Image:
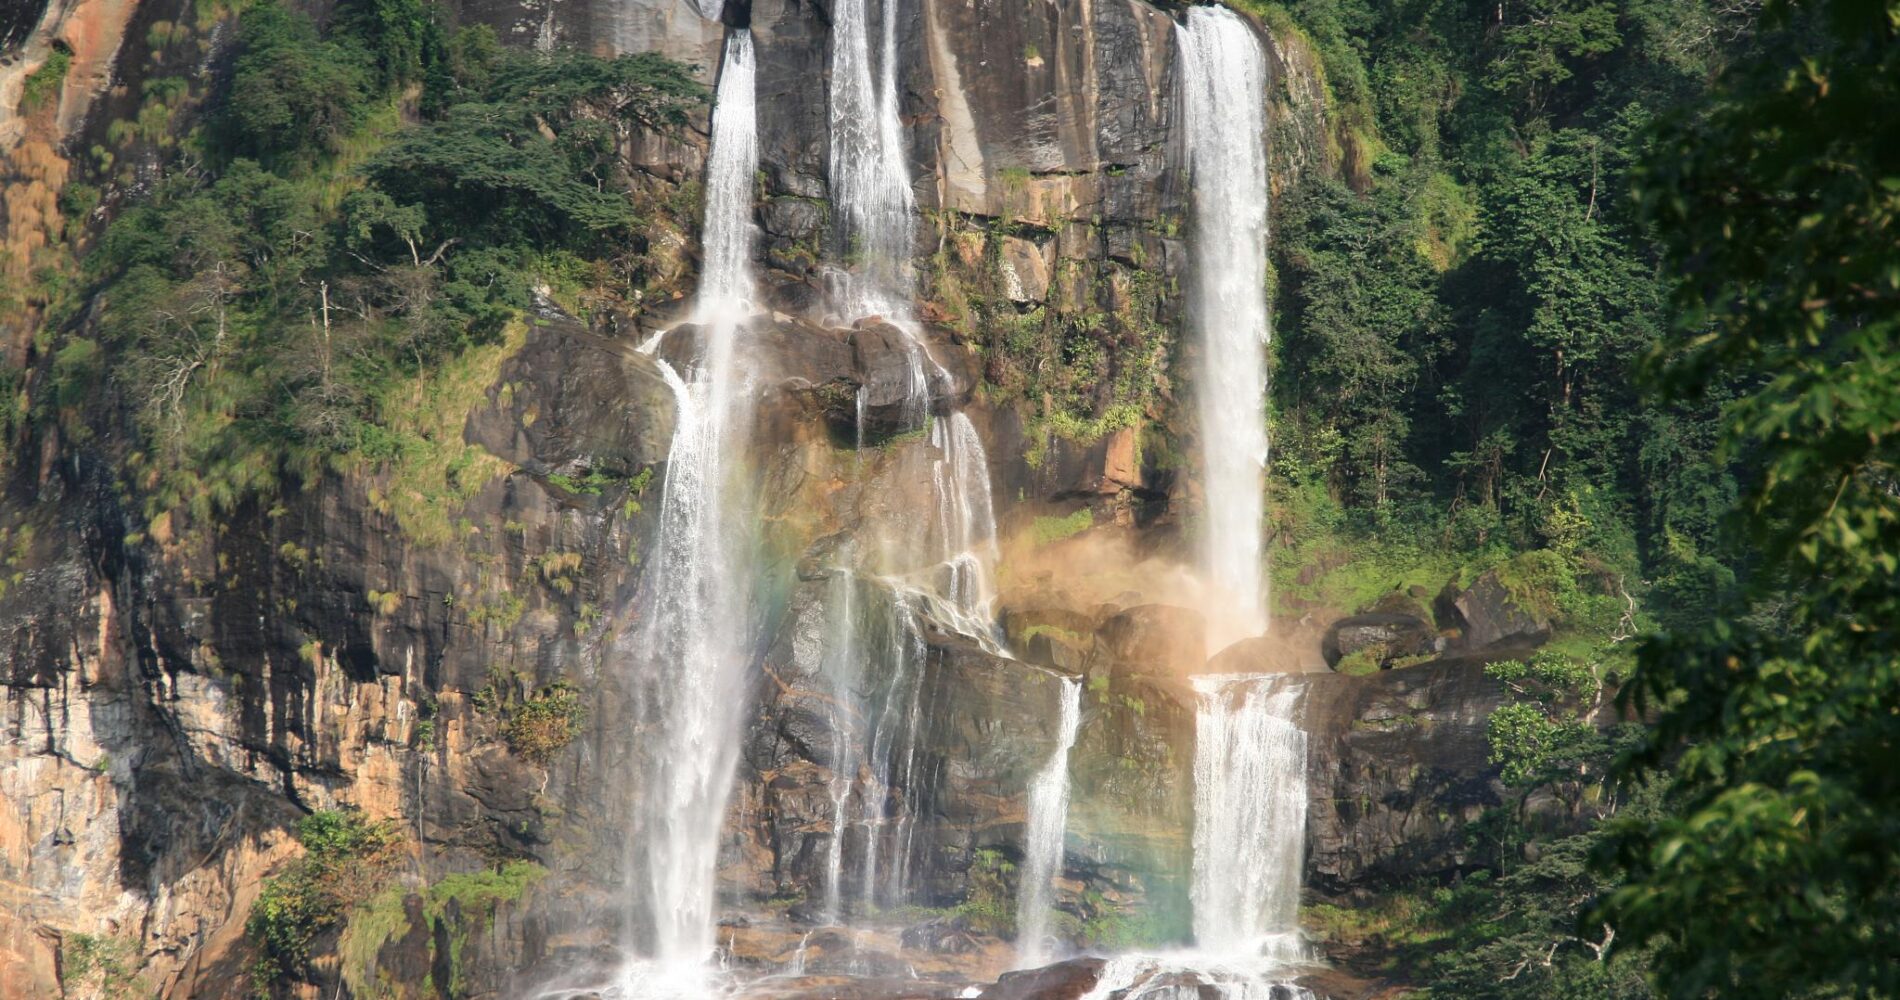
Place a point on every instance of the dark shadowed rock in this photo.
(572, 399)
(1397, 763)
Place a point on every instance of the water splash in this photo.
(1042, 841)
(1224, 75)
(1249, 816)
(1189, 974)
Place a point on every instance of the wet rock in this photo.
(1397, 765)
(1059, 638)
(1256, 655)
(1070, 980)
(1025, 270)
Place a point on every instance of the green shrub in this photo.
(545, 723)
(536, 726)
(43, 84)
(1055, 529)
(989, 903)
(346, 860)
(101, 967)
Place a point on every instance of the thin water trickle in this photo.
(1042, 841)
(1223, 73)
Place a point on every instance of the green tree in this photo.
(1776, 872)
(292, 93)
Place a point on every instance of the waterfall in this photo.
(1249, 816)
(936, 567)
(1223, 73)
(692, 642)
(870, 182)
(841, 664)
(1042, 841)
(870, 179)
(725, 290)
(966, 521)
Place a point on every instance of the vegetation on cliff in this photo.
(271, 307)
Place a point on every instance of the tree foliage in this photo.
(257, 314)
(1776, 871)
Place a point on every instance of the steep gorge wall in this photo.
(178, 691)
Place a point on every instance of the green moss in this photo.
(100, 967)
(989, 904)
(384, 918)
(346, 860)
(371, 926)
(1053, 632)
(429, 470)
(1358, 663)
(1048, 530)
(43, 84)
(1112, 929)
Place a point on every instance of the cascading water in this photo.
(1249, 816)
(1047, 825)
(692, 643)
(966, 521)
(1249, 847)
(725, 292)
(870, 180)
(1223, 73)
(935, 568)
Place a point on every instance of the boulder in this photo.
(1388, 636)
(1070, 980)
(573, 399)
(1397, 765)
(1058, 638)
(1487, 616)
(1152, 640)
(1255, 655)
(900, 382)
(1025, 270)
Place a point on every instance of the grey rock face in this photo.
(1489, 617)
(1397, 765)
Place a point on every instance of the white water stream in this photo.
(1249, 816)
(1223, 73)
(693, 642)
(932, 568)
(870, 177)
(1047, 825)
